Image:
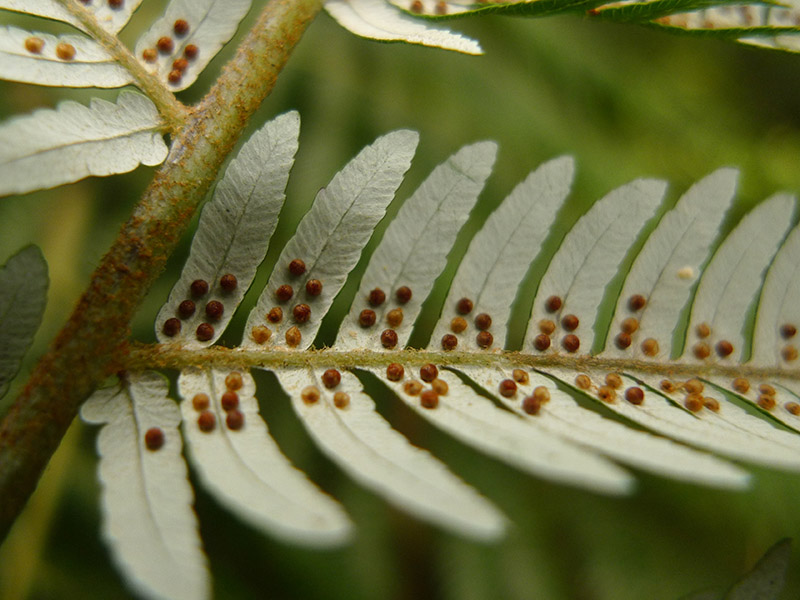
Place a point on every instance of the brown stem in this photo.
(92, 344)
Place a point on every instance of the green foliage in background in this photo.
(626, 102)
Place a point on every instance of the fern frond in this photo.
(530, 409)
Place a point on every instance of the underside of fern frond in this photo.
(690, 360)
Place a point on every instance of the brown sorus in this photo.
(788, 331)
(403, 294)
(204, 332)
(389, 338)
(331, 378)
(313, 287)
(571, 342)
(214, 309)
(234, 420)
(206, 421)
(154, 438)
(508, 388)
(181, 27)
(547, 326)
(412, 388)
(341, 399)
(275, 314)
(394, 317)
(198, 288)
(150, 55)
(793, 408)
(484, 339)
(200, 402)
(234, 381)
(614, 380)
(694, 402)
(293, 336)
(366, 318)
(310, 394)
(701, 350)
(228, 282)
(650, 347)
(186, 309)
(741, 385)
(636, 302)
(570, 322)
(301, 313)
(440, 387)
(766, 402)
(229, 400)
(175, 76)
(711, 404)
(180, 64)
(703, 330)
(297, 267)
(376, 297)
(634, 395)
(553, 304)
(165, 45)
(606, 393)
(583, 382)
(623, 340)
(191, 51)
(483, 321)
(261, 334)
(34, 45)
(458, 324)
(629, 325)
(429, 399)
(394, 372)
(172, 327)
(65, 51)
(724, 348)
(449, 342)
(520, 376)
(464, 306)
(428, 372)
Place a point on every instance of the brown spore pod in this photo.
(792, 408)
(228, 282)
(694, 402)
(301, 313)
(214, 309)
(634, 395)
(206, 422)
(613, 380)
(541, 342)
(650, 347)
(629, 325)
(261, 334)
(200, 402)
(313, 287)
(484, 339)
(547, 327)
(412, 388)
(366, 318)
(416, 7)
(741, 385)
(449, 342)
(34, 45)
(116, 4)
(789, 353)
(788, 331)
(310, 394)
(154, 438)
(186, 309)
(440, 387)
(701, 350)
(429, 399)
(441, 8)
(458, 324)
(394, 317)
(703, 330)
(428, 372)
(531, 405)
(724, 348)
(180, 27)
(694, 386)
(464, 306)
(483, 321)
(341, 400)
(507, 388)
(165, 45)
(293, 337)
(394, 371)
(667, 386)
(204, 332)
(583, 382)
(403, 294)
(275, 314)
(570, 322)
(711, 404)
(766, 389)
(175, 76)
(150, 55)
(623, 340)
(297, 267)
(331, 378)
(636, 302)
(191, 51)
(520, 376)
(553, 304)
(172, 327)
(766, 402)
(234, 381)
(65, 51)
(571, 342)
(376, 297)
(229, 400)
(234, 420)
(198, 288)
(541, 394)
(606, 393)
(180, 64)
(388, 338)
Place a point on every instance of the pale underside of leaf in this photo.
(668, 266)
(414, 248)
(501, 252)
(589, 258)
(378, 20)
(211, 24)
(476, 421)
(362, 443)
(148, 519)
(731, 282)
(91, 66)
(234, 230)
(563, 417)
(53, 147)
(246, 471)
(112, 19)
(331, 236)
(23, 295)
(781, 402)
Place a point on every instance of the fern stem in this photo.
(91, 345)
(166, 356)
(171, 110)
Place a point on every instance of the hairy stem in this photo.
(91, 346)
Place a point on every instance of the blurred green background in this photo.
(626, 102)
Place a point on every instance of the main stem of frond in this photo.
(173, 112)
(92, 344)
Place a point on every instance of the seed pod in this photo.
(331, 378)
(154, 438)
(394, 372)
(428, 372)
